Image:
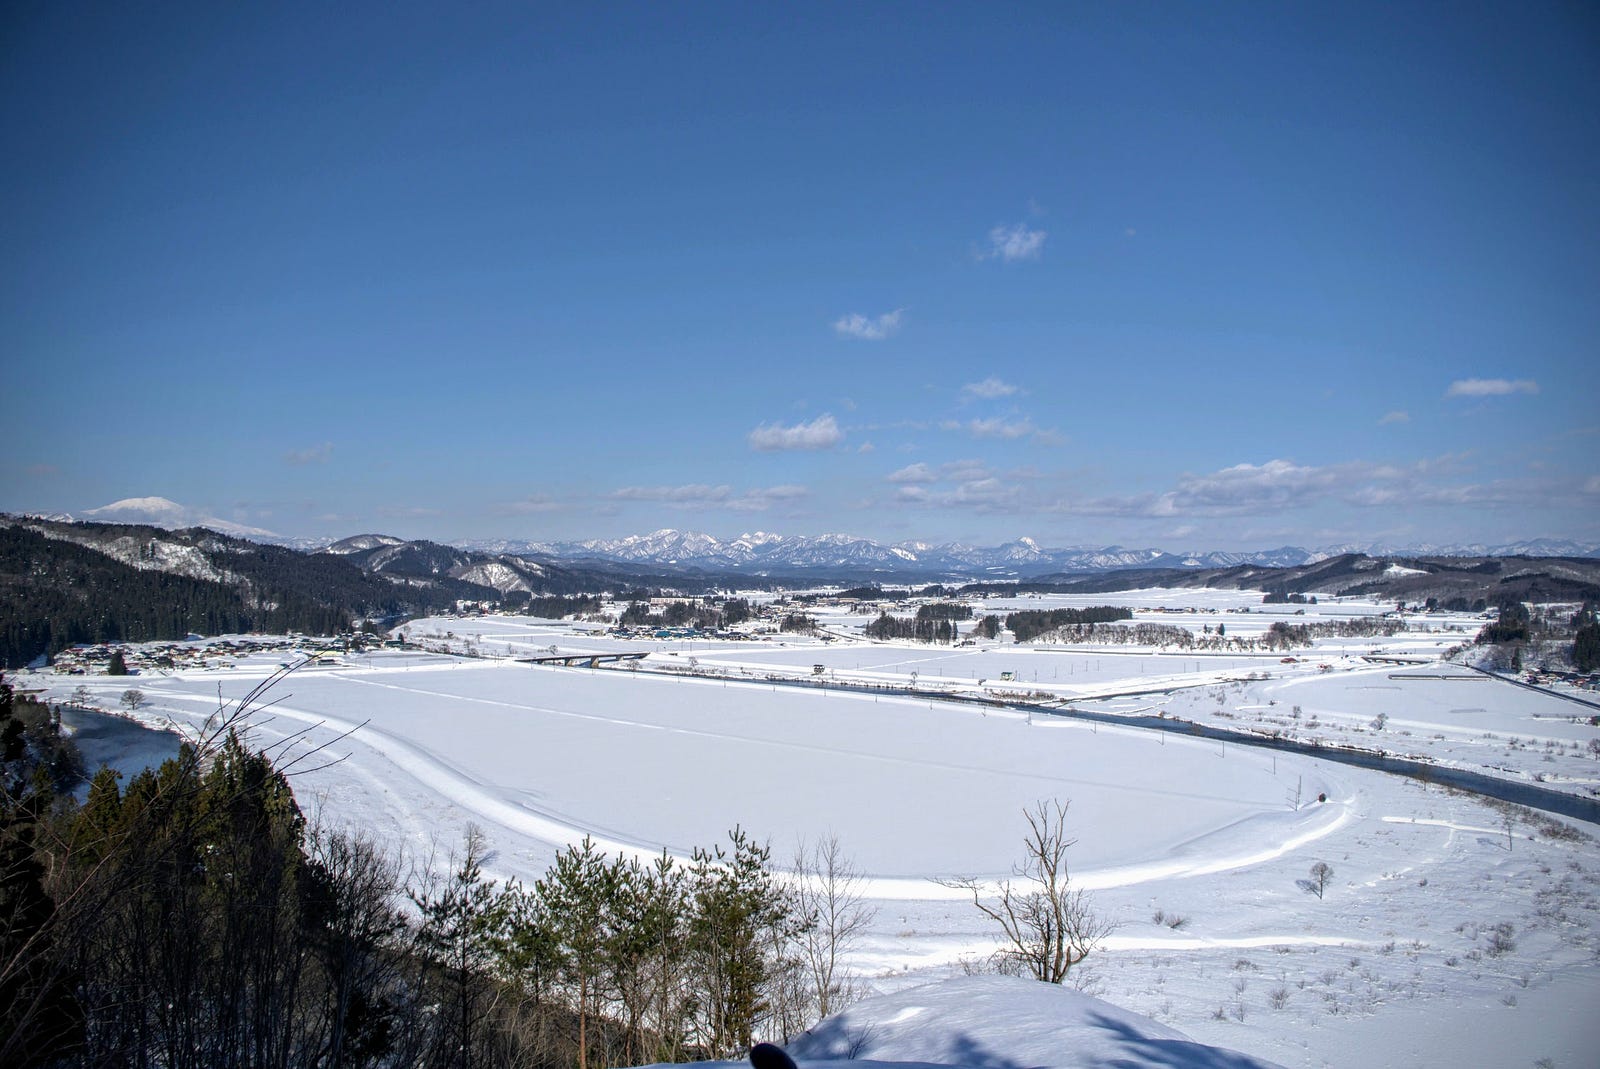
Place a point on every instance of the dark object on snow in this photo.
(770, 1056)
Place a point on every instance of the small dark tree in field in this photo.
(1321, 873)
(132, 699)
(118, 665)
(1049, 926)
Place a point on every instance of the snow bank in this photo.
(998, 1022)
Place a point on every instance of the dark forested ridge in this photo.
(55, 594)
(1458, 581)
(66, 583)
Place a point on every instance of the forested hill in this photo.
(63, 583)
(55, 593)
(1466, 583)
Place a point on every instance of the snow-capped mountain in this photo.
(162, 512)
(764, 552)
(362, 543)
(772, 554)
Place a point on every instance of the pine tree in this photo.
(456, 933)
(576, 893)
(741, 919)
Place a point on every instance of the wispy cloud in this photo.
(1490, 387)
(704, 496)
(1282, 485)
(1003, 429)
(1011, 243)
(534, 504)
(869, 328)
(989, 494)
(687, 495)
(407, 512)
(821, 433)
(989, 389)
(317, 454)
(768, 497)
(1396, 416)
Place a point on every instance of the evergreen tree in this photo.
(741, 920)
(456, 933)
(576, 895)
(1586, 647)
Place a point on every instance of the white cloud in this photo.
(989, 389)
(317, 454)
(1011, 243)
(980, 495)
(914, 473)
(1490, 387)
(1396, 416)
(868, 328)
(821, 433)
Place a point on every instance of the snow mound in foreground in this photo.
(997, 1022)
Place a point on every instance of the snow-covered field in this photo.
(1194, 848)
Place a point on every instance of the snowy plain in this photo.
(1197, 850)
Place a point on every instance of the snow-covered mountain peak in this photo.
(362, 542)
(164, 512)
(149, 506)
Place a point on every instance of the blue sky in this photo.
(1220, 276)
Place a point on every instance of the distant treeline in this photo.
(551, 608)
(1030, 624)
(709, 614)
(1281, 635)
(933, 623)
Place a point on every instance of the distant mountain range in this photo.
(767, 554)
(64, 581)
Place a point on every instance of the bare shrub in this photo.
(1050, 927)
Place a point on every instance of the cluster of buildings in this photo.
(197, 653)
